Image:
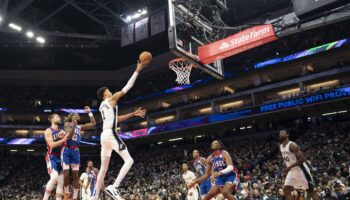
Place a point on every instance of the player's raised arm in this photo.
(69, 128)
(300, 157)
(118, 95)
(205, 175)
(137, 113)
(50, 142)
(92, 123)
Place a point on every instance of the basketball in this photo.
(145, 57)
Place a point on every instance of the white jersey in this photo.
(84, 178)
(288, 157)
(192, 193)
(109, 115)
(188, 176)
(300, 176)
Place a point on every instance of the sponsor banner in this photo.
(236, 43)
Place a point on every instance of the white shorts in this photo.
(193, 193)
(85, 196)
(109, 142)
(299, 178)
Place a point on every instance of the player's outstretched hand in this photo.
(87, 109)
(140, 66)
(285, 171)
(66, 137)
(61, 134)
(140, 113)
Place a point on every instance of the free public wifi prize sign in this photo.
(237, 43)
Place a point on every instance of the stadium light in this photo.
(175, 139)
(30, 34)
(135, 15)
(13, 150)
(15, 27)
(0, 19)
(331, 113)
(41, 40)
(160, 143)
(30, 150)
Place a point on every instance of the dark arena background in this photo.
(245, 71)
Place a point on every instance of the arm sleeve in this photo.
(130, 83)
(227, 170)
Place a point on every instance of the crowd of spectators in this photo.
(156, 173)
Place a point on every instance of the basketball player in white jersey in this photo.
(109, 139)
(84, 183)
(298, 176)
(189, 176)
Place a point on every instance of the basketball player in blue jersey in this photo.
(200, 165)
(110, 141)
(226, 175)
(70, 152)
(54, 137)
(92, 173)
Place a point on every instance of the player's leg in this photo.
(214, 190)
(228, 190)
(66, 166)
(59, 189)
(75, 164)
(287, 190)
(75, 173)
(289, 183)
(106, 152)
(51, 184)
(122, 150)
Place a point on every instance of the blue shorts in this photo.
(71, 156)
(223, 179)
(204, 187)
(53, 163)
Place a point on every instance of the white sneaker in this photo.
(113, 192)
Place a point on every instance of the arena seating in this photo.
(156, 172)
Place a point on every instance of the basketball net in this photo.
(182, 68)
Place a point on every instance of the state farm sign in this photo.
(237, 43)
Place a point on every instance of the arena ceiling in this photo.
(85, 34)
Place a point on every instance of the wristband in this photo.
(90, 114)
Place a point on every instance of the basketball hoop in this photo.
(182, 68)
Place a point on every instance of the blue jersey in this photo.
(92, 177)
(200, 167)
(75, 140)
(219, 163)
(56, 151)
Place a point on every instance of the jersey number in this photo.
(75, 137)
(286, 158)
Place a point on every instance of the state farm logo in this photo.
(224, 45)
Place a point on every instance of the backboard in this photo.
(189, 29)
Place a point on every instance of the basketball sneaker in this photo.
(113, 192)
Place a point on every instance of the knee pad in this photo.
(65, 166)
(74, 167)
